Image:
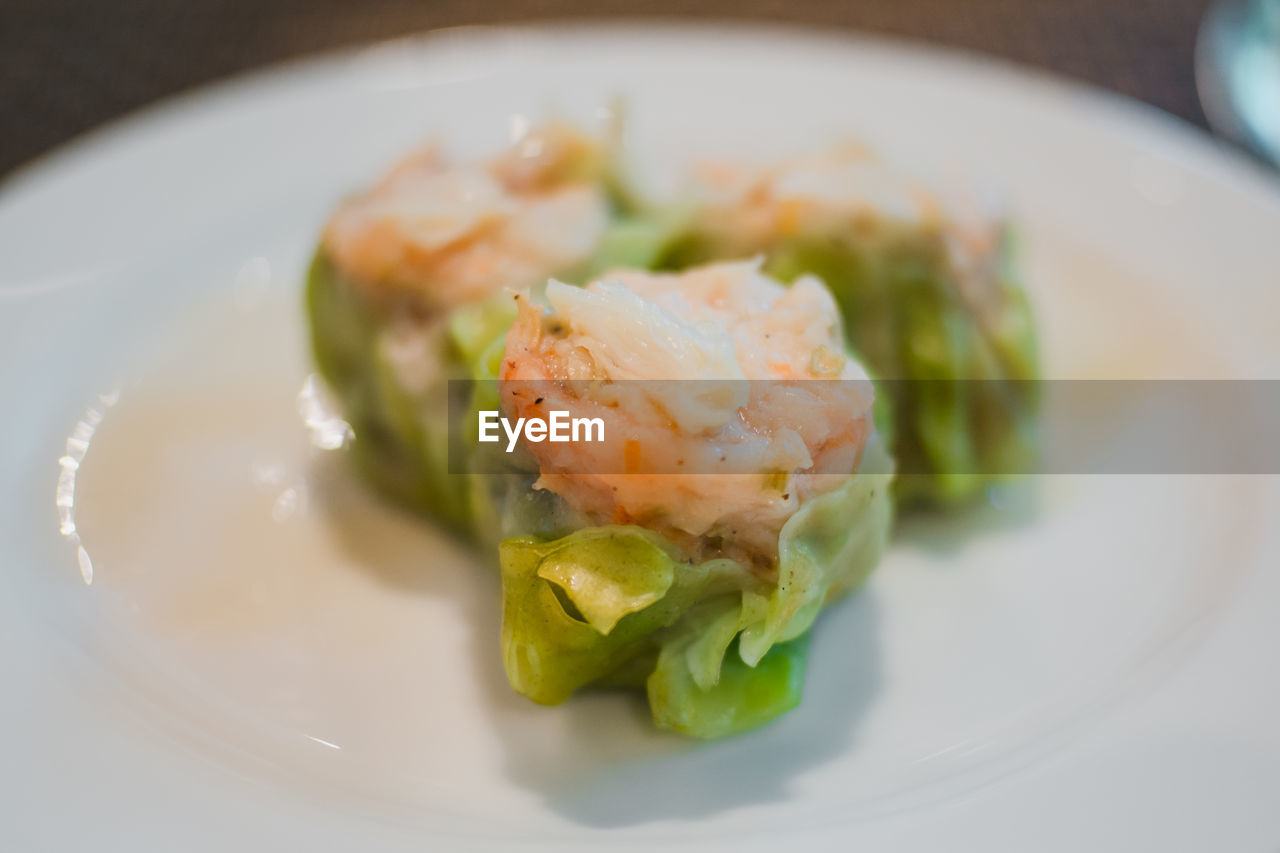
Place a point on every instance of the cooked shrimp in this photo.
(715, 327)
(442, 235)
(749, 209)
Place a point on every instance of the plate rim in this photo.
(1145, 116)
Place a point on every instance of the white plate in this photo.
(268, 658)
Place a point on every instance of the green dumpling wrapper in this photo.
(718, 649)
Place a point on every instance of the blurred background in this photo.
(67, 66)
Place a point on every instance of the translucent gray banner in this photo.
(990, 428)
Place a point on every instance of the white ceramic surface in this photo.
(238, 648)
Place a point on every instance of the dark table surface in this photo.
(67, 66)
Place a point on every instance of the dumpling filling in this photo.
(694, 372)
(748, 209)
(439, 235)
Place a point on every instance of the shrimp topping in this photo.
(441, 235)
(697, 372)
(846, 188)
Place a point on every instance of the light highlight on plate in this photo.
(76, 448)
(323, 742)
(328, 431)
